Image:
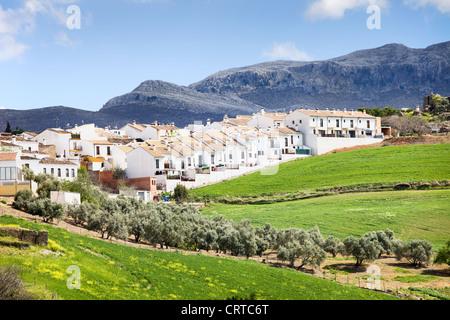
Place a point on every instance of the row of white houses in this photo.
(195, 155)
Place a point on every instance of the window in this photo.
(108, 150)
(44, 171)
(286, 142)
(351, 124)
(212, 159)
(59, 172)
(157, 163)
(230, 156)
(73, 173)
(67, 173)
(52, 171)
(242, 155)
(293, 122)
(8, 173)
(337, 123)
(321, 122)
(292, 139)
(368, 124)
(98, 150)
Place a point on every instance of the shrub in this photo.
(443, 255)
(11, 286)
(180, 193)
(22, 198)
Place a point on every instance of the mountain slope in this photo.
(392, 75)
(167, 102)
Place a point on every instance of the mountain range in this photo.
(389, 76)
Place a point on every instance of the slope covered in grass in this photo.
(412, 214)
(383, 165)
(114, 271)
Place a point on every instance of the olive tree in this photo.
(417, 252)
(293, 244)
(365, 248)
(333, 246)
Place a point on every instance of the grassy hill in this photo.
(412, 214)
(383, 165)
(115, 271)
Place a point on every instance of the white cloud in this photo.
(286, 51)
(335, 9)
(62, 39)
(22, 20)
(10, 49)
(442, 5)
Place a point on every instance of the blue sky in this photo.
(121, 43)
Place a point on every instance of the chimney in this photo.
(326, 109)
(364, 111)
(345, 109)
(208, 122)
(334, 111)
(352, 112)
(263, 111)
(134, 121)
(418, 108)
(153, 147)
(301, 108)
(13, 141)
(317, 109)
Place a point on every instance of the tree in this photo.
(8, 127)
(293, 244)
(443, 255)
(407, 125)
(80, 213)
(45, 208)
(333, 245)
(365, 248)
(386, 240)
(180, 193)
(46, 184)
(417, 252)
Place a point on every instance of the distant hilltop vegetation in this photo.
(389, 76)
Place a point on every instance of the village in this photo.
(144, 160)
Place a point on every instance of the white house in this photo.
(57, 137)
(119, 155)
(266, 120)
(62, 169)
(10, 167)
(326, 130)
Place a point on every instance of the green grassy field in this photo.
(113, 271)
(412, 214)
(384, 165)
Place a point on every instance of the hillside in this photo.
(410, 214)
(390, 76)
(116, 272)
(382, 165)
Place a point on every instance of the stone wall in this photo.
(31, 236)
